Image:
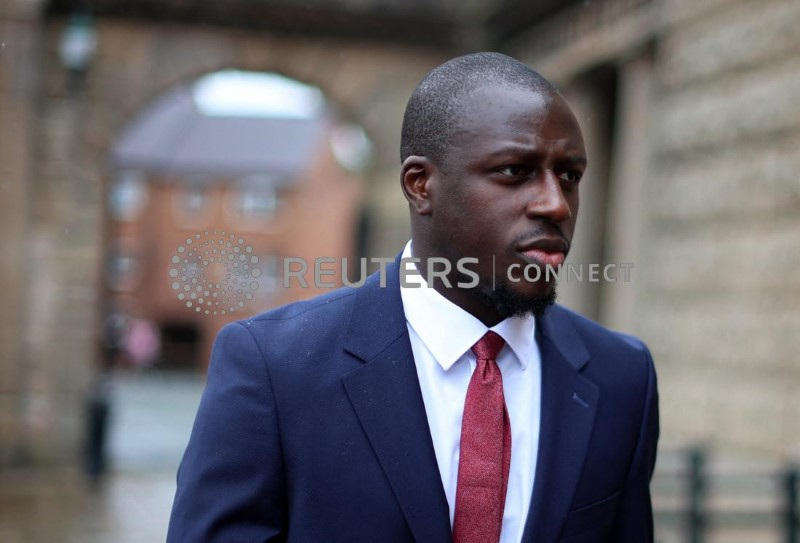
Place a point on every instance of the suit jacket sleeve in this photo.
(634, 522)
(231, 484)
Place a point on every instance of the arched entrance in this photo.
(213, 183)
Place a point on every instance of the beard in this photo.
(509, 304)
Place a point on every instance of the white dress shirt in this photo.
(442, 335)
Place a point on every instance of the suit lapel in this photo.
(569, 403)
(386, 397)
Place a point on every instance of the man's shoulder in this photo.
(619, 364)
(595, 335)
(286, 336)
(304, 320)
(327, 305)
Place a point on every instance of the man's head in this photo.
(492, 156)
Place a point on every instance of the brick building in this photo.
(691, 117)
(200, 220)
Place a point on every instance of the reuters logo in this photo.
(215, 273)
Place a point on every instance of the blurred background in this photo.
(160, 159)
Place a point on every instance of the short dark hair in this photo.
(434, 109)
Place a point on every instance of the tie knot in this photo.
(488, 346)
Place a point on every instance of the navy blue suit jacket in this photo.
(312, 428)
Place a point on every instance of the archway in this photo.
(212, 184)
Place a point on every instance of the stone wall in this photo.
(55, 145)
(725, 218)
(20, 418)
(718, 287)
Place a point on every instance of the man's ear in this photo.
(417, 177)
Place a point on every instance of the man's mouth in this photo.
(544, 258)
(544, 251)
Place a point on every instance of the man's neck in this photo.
(468, 299)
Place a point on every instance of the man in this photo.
(475, 413)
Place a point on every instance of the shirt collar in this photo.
(449, 332)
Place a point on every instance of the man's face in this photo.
(508, 194)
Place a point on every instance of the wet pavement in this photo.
(152, 415)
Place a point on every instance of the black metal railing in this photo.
(694, 500)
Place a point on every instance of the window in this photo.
(253, 201)
(194, 200)
(192, 205)
(128, 195)
(258, 202)
(123, 269)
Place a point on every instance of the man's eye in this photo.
(514, 171)
(570, 176)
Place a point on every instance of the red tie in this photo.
(485, 455)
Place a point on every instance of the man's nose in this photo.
(547, 200)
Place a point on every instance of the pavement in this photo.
(152, 415)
